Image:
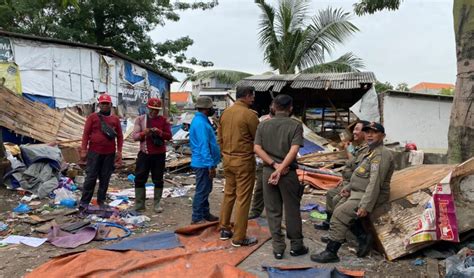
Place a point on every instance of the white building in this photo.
(417, 118)
(209, 84)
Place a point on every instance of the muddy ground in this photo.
(18, 260)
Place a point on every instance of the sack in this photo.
(106, 129)
(157, 140)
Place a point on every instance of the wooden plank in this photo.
(323, 157)
(415, 178)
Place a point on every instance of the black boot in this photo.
(329, 255)
(325, 224)
(364, 238)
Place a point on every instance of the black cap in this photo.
(374, 126)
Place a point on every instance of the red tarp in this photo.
(203, 255)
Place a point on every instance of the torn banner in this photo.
(438, 221)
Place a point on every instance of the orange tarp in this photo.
(203, 255)
(320, 181)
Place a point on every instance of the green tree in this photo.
(291, 40)
(382, 87)
(447, 92)
(121, 24)
(290, 44)
(402, 87)
(371, 6)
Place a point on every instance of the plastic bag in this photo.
(62, 194)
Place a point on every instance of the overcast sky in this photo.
(413, 44)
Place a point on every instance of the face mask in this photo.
(211, 112)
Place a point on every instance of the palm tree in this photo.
(294, 42)
(290, 45)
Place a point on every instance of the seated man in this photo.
(369, 187)
(334, 196)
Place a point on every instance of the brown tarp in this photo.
(320, 181)
(203, 255)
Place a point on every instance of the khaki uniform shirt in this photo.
(277, 135)
(236, 132)
(352, 163)
(371, 180)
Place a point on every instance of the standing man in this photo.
(101, 138)
(236, 133)
(277, 143)
(204, 159)
(369, 187)
(355, 153)
(258, 203)
(152, 130)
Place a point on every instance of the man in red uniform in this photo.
(102, 142)
(152, 131)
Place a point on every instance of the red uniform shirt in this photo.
(146, 143)
(93, 139)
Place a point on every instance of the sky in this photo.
(413, 44)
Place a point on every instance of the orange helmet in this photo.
(154, 103)
(105, 98)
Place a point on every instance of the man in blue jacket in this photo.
(205, 157)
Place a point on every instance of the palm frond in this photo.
(223, 76)
(329, 28)
(267, 37)
(346, 63)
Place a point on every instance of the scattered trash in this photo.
(22, 208)
(27, 199)
(30, 241)
(68, 202)
(136, 220)
(63, 194)
(131, 178)
(3, 226)
(310, 207)
(419, 262)
(116, 203)
(318, 215)
(461, 264)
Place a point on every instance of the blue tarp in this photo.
(158, 241)
(10, 136)
(274, 272)
(309, 147)
(50, 101)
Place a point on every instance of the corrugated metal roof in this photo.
(340, 81)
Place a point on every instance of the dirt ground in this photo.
(18, 260)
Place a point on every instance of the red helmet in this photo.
(154, 103)
(105, 98)
(411, 147)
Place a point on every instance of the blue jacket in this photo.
(204, 148)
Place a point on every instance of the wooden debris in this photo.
(394, 222)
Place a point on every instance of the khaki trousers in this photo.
(239, 175)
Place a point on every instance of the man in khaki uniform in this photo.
(356, 153)
(236, 133)
(277, 143)
(369, 187)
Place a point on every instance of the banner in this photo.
(10, 77)
(438, 221)
(6, 53)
